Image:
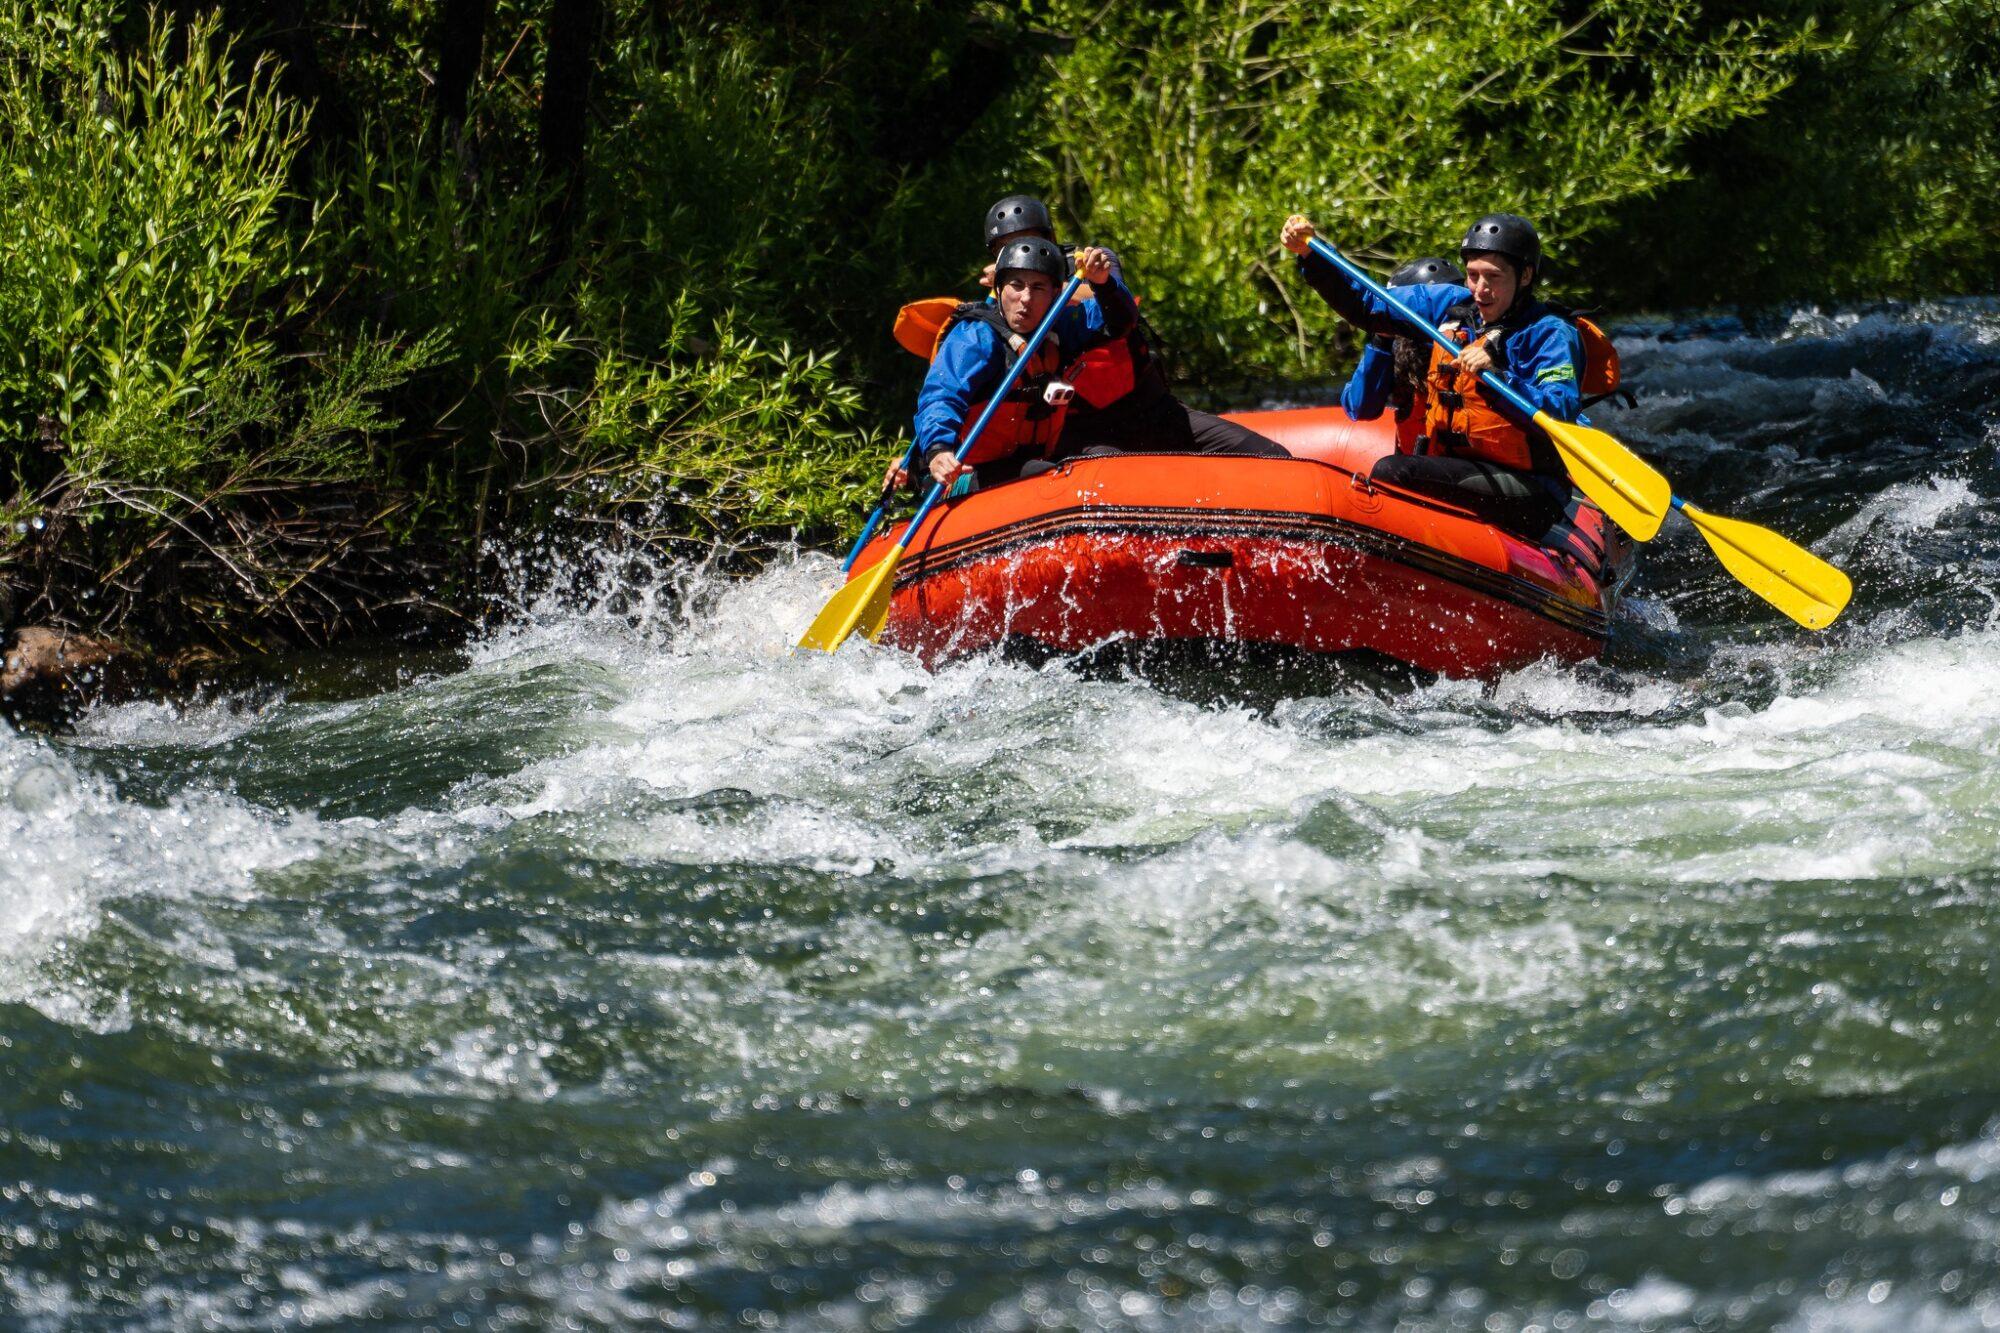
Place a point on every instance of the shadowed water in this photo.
(631, 972)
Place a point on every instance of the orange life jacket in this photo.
(1461, 421)
(1025, 425)
(920, 325)
(1599, 372)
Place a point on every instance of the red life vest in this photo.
(1025, 424)
(1105, 374)
(1117, 372)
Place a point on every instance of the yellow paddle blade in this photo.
(1783, 573)
(862, 603)
(1618, 481)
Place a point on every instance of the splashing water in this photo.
(632, 971)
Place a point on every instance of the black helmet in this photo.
(1033, 254)
(1506, 234)
(1425, 270)
(1017, 212)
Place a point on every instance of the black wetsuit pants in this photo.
(1525, 502)
(1161, 425)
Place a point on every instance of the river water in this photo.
(626, 971)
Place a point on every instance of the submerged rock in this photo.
(47, 675)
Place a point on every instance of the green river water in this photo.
(624, 971)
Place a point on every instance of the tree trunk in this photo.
(461, 40)
(569, 57)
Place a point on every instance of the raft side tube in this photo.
(1304, 553)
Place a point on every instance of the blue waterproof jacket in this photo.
(1368, 388)
(972, 360)
(1543, 353)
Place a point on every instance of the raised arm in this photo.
(1111, 309)
(1363, 309)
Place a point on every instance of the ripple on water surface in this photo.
(640, 972)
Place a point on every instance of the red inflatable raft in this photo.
(1302, 552)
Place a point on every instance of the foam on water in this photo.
(988, 769)
(72, 842)
(1903, 508)
(643, 971)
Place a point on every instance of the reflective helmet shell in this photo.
(1017, 212)
(1032, 254)
(1429, 269)
(1507, 234)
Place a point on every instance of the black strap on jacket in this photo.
(1027, 389)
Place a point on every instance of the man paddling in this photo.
(1122, 401)
(980, 345)
(1117, 398)
(1469, 448)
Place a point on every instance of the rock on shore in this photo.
(49, 675)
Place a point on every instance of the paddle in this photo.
(1637, 498)
(881, 505)
(1789, 577)
(1618, 481)
(863, 602)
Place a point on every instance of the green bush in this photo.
(247, 412)
(1186, 133)
(1873, 175)
(165, 442)
(141, 256)
(282, 339)
(646, 371)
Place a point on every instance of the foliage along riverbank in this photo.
(297, 317)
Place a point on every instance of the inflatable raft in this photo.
(1304, 553)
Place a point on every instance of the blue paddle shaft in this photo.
(1411, 317)
(881, 507)
(999, 396)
